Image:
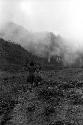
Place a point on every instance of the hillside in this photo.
(13, 57)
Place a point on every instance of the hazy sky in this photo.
(63, 17)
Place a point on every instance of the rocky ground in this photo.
(52, 100)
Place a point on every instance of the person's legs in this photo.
(30, 81)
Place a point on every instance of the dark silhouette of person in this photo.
(32, 79)
(31, 69)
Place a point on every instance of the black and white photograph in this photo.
(41, 62)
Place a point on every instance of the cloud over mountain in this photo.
(44, 44)
(40, 42)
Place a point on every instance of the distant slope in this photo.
(13, 57)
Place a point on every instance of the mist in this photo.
(63, 17)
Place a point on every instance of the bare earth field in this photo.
(56, 99)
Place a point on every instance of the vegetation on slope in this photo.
(12, 56)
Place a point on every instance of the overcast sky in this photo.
(63, 17)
